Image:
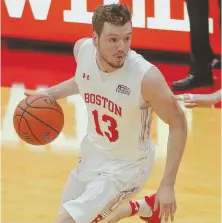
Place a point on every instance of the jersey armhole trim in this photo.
(80, 47)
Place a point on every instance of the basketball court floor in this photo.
(33, 177)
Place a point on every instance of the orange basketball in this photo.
(38, 120)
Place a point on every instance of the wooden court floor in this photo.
(32, 181)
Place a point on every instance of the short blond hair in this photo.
(116, 14)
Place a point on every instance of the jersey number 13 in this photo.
(112, 134)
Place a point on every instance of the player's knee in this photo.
(65, 218)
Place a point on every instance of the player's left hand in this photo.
(165, 200)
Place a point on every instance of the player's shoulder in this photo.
(80, 45)
(153, 77)
(137, 63)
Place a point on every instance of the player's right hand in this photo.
(36, 93)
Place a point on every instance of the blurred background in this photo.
(37, 38)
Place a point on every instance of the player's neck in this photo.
(103, 66)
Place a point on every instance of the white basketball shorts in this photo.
(98, 187)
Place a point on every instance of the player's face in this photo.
(113, 44)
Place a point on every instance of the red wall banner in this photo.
(157, 24)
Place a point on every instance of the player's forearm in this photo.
(175, 150)
(63, 89)
(217, 96)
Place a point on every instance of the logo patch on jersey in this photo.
(84, 76)
(123, 89)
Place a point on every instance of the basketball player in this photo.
(199, 100)
(121, 91)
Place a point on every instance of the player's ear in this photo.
(95, 39)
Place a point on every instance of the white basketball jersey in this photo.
(118, 120)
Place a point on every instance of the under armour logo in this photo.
(85, 76)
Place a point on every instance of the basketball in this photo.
(38, 120)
